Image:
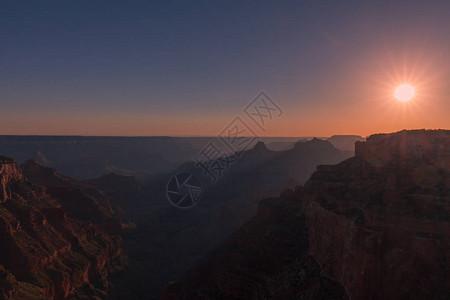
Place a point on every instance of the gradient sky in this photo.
(189, 67)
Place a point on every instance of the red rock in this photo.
(47, 249)
(379, 223)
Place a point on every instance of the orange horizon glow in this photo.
(141, 124)
(364, 107)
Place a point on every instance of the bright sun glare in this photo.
(404, 92)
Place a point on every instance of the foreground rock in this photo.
(379, 223)
(56, 241)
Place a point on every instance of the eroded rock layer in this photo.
(375, 226)
(51, 249)
(379, 223)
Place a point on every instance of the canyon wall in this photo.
(47, 251)
(379, 223)
(375, 226)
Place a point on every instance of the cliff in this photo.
(375, 226)
(8, 173)
(49, 248)
(379, 223)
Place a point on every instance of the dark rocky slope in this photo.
(57, 241)
(379, 223)
(376, 226)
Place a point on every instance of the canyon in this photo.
(372, 226)
(375, 226)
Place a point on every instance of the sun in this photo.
(404, 92)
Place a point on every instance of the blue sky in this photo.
(190, 59)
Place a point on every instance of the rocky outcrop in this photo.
(45, 176)
(49, 248)
(379, 223)
(375, 226)
(8, 173)
(8, 284)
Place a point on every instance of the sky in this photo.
(142, 68)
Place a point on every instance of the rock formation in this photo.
(379, 223)
(56, 242)
(375, 226)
